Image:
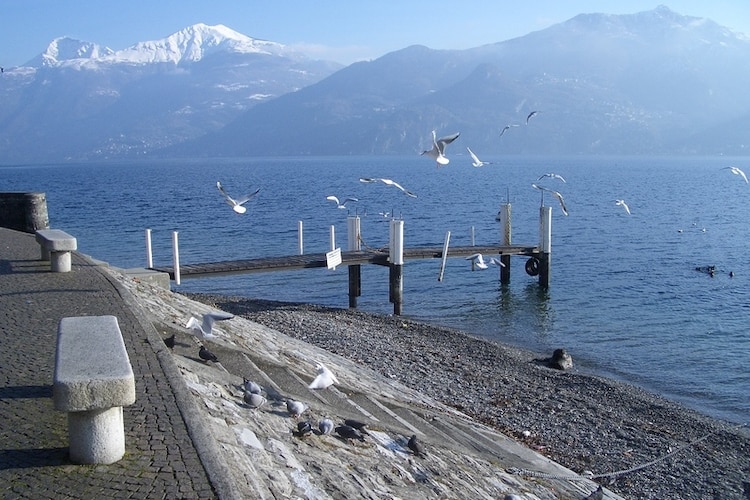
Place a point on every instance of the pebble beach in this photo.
(635, 443)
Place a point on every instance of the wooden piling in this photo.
(355, 270)
(545, 245)
(396, 272)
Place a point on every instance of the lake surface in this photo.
(625, 298)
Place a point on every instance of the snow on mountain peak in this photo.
(66, 49)
(193, 43)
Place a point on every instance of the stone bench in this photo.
(93, 380)
(56, 247)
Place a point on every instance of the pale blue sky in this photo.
(340, 30)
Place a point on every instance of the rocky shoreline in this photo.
(637, 444)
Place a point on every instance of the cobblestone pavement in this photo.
(162, 459)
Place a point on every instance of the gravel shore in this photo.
(637, 444)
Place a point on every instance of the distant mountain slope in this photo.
(78, 100)
(648, 83)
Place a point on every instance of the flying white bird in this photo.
(477, 260)
(476, 161)
(507, 127)
(623, 205)
(437, 152)
(236, 204)
(325, 378)
(554, 176)
(388, 182)
(556, 195)
(496, 262)
(341, 204)
(532, 114)
(204, 328)
(736, 171)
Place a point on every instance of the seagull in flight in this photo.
(341, 204)
(532, 114)
(506, 128)
(437, 152)
(554, 176)
(388, 182)
(736, 171)
(556, 194)
(623, 205)
(496, 262)
(476, 161)
(204, 328)
(236, 204)
(478, 260)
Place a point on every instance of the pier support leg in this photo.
(396, 287)
(355, 284)
(505, 271)
(545, 245)
(504, 216)
(354, 238)
(545, 261)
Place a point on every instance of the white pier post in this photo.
(149, 253)
(355, 245)
(396, 257)
(545, 244)
(332, 237)
(472, 236)
(300, 238)
(445, 255)
(176, 257)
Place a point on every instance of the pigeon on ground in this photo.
(356, 424)
(348, 432)
(254, 400)
(303, 429)
(415, 446)
(169, 341)
(295, 408)
(207, 355)
(251, 386)
(325, 426)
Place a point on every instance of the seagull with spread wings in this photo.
(437, 152)
(236, 204)
(555, 194)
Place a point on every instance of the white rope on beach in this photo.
(588, 475)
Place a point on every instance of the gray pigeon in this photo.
(325, 426)
(254, 400)
(360, 426)
(251, 386)
(295, 408)
(303, 429)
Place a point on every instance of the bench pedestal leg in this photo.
(97, 436)
(45, 253)
(60, 262)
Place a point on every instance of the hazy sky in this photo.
(340, 30)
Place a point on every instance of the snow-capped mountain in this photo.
(81, 100)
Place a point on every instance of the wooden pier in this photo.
(538, 263)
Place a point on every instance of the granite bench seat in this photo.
(93, 380)
(56, 246)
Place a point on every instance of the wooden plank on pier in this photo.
(316, 260)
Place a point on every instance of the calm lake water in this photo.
(625, 297)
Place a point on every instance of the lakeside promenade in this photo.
(171, 445)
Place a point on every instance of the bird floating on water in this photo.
(325, 378)
(207, 355)
(623, 205)
(237, 205)
(552, 175)
(437, 152)
(388, 182)
(478, 260)
(476, 161)
(556, 195)
(340, 204)
(204, 329)
(736, 171)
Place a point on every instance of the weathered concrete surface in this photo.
(264, 458)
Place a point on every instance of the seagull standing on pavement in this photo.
(437, 152)
(237, 205)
